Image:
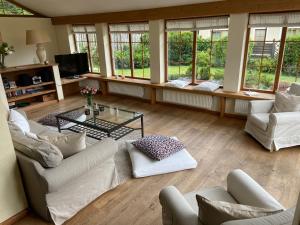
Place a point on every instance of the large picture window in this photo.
(86, 42)
(196, 49)
(130, 49)
(273, 52)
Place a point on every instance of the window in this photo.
(273, 52)
(196, 49)
(86, 41)
(9, 9)
(130, 49)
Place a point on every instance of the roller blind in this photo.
(132, 27)
(198, 24)
(84, 29)
(275, 20)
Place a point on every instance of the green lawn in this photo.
(174, 70)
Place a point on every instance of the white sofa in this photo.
(273, 130)
(56, 194)
(178, 209)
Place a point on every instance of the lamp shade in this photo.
(36, 37)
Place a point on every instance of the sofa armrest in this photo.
(282, 218)
(78, 164)
(248, 192)
(260, 106)
(283, 118)
(176, 210)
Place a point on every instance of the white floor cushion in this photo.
(143, 166)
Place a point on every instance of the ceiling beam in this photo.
(186, 11)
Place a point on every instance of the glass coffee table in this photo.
(111, 122)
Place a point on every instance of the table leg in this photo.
(142, 126)
(58, 125)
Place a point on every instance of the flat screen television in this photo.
(72, 64)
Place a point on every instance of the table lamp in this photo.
(38, 38)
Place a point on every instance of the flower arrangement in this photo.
(5, 50)
(88, 92)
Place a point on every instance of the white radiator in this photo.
(241, 106)
(189, 99)
(126, 89)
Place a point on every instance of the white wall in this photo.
(65, 40)
(11, 191)
(13, 30)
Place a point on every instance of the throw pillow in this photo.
(294, 89)
(50, 119)
(69, 144)
(18, 120)
(207, 86)
(45, 153)
(178, 83)
(286, 103)
(158, 147)
(218, 212)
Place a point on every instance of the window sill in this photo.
(190, 88)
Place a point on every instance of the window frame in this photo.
(280, 59)
(194, 80)
(130, 49)
(88, 44)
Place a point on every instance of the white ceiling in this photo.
(54, 8)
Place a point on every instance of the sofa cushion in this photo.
(286, 103)
(144, 166)
(294, 89)
(46, 154)
(218, 212)
(69, 144)
(213, 194)
(178, 83)
(261, 120)
(18, 120)
(207, 86)
(158, 147)
(80, 163)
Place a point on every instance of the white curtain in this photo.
(84, 29)
(275, 20)
(130, 27)
(198, 24)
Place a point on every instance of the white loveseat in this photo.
(56, 194)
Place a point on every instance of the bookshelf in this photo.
(22, 92)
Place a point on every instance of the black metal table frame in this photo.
(108, 131)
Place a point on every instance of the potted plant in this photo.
(5, 50)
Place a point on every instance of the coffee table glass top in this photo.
(114, 116)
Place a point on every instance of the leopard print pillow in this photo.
(158, 147)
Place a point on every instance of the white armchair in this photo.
(273, 130)
(178, 209)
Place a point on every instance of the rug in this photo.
(122, 158)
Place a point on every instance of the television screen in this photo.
(72, 64)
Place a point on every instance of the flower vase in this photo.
(2, 62)
(89, 99)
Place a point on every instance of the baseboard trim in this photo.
(12, 220)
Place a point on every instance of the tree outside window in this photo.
(273, 52)
(130, 48)
(196, 52)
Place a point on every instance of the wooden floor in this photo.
(218, 144)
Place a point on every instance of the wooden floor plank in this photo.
(218, 144)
